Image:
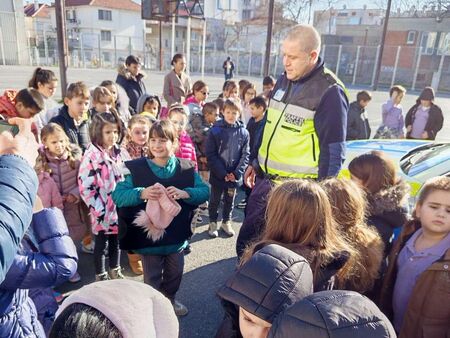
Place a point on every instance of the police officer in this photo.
(304, 136)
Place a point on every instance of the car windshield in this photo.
(424, 157)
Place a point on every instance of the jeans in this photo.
(228, 203)
(101, 241)
(164, 272)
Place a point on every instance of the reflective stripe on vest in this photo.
(290, 145)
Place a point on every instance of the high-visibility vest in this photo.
(290, 146)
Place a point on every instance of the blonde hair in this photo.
(100, 92)
(141, 120)
(299, 213)
(348, 206)
(53, 129)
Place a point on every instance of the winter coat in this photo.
(66, 179)
(97, 179)
(332, 314)
(123, 105)
(434, 123)
(18, 188)
(45, 115)
(387, 211)
(227, 151)
(428, 311)
(48, 191)
(143, 99)
(78, 135)
(193, 105)
(133, 86)
(270, 281)
(198, 130)
(8, 104)
(52, 261)
(132, 151)
(176, 88)
(358, 127)
(186, 148)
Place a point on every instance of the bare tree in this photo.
(298, 10)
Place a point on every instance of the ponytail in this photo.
(42, 76)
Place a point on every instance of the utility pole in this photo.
(62, 44)
(160, 46)
(269, 38)
(383, 39)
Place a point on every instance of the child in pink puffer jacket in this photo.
(186, 148)
(47, 190)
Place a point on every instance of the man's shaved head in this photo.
(307, 36)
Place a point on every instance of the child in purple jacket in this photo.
(393, 120)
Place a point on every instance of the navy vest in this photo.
(132, 237)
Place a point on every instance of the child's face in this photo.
(256, 112)
(249, 94)
(363, 103)
(252, 326)
(179, 120)
(104, 104)
(151, 107)
(230, 115)
(110, 135)
(232, 93)
(425, 103)
(212, 117)
(113, 91)
(56, 144)
(434, 213)
(397, 97)
(161, 148)
(48, 89)
(267, 89)
(77, 107)
(25, 112)
(139, 134)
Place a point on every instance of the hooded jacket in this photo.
(434, 123)
(133, 86)
(332, 314)
(358, 127)
(141, 102)
(227, 151)
(48, 191)
(271, 280)
(52, 262)
(387, 211)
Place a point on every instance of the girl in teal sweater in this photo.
(163, 259)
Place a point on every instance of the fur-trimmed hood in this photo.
(122, 70)
(388, 200)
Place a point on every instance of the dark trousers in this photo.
(228, 203)
(164, 272)
(105, 242)
(254, 222)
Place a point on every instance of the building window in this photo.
(342, 14)
(247, 2)
(166, 43)
(246, 14)
(411, 38)
(105, 35)
(428, 42)
(184, 34)
(176, 34)
(103, 14)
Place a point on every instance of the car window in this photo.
(423, 158)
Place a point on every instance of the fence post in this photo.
(376, 62)
(44, 33)
(2, 46)
(437, 79)
(130, 49)
(355, 70)
(214, 57)
(262, 62)
(172, 44)
(397, 56)
(188, 46)
(324, 48)
(99, 63)
(275, 65)
(250, 60)
(416, 71)
(237, 59)
(115, 50)
(338, 60)
(82, 50)
(29, 48)
(203, 48)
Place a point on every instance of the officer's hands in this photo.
(249, 177)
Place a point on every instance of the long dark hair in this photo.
(176, 57)
(42, 76)
(99, 120)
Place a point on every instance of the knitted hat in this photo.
(427, 94)
(136, 309)
(273, 279)
(332, 314)
(158, 214)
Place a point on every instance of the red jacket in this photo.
(8, 104)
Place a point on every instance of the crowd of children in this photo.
(136, 178)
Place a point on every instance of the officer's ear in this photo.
(313, 56)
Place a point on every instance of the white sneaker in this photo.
(213, 230)
(228, 229)
(180, 309)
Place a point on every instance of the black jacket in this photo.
(271, 280)
(78, 135)
(134, 87)
(332, 314)
(434, 123)
(358, 127)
